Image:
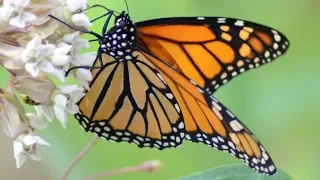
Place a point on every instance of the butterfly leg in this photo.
(103, 15)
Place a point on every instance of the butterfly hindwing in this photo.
(238, 140)
(211, 50)
(208, 121)
(134, 104)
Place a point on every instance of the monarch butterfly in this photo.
(153, 80)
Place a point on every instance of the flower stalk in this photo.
(79, 157)
(148, 166)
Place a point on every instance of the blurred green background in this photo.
(279, 102)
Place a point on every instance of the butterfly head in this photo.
(118, 40)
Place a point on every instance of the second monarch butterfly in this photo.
(153, 80)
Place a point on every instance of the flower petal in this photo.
(47, 111)
(84, 74)
(20, 160)
(28, 17)
(36, 121)
(17, 22)
(28, 140)
(87, 59)
(6, 12)
(81, 43)
(17, 148)
(23, 3)
(60, 60)
(61, 115)
(47, 49)
(81, 20)
(74, 5)
(73, 108)
(41, 142)
(31, 68)
(26, 55)
(46, 66)
(10, 116)
(69, 38)
(60, 74)
(82, 83)
(61, 100)
(38, 89)
(34, 43)
(62, 50)
(35, 155)
(67, 89)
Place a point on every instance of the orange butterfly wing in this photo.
(211, 50)
(129, 101)
(208, 121)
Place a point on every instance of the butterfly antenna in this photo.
(127, 6)
(75, 28)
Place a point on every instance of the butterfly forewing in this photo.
(134, 104)
(211, 50)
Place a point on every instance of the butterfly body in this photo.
(118, 40)
(155, 78)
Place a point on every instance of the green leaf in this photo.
(235, 172)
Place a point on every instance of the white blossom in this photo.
(76, 42)
(47, 58)
(13, 12)
(82, 76)
(76, 5)
(36, 57)
(28, 145)
(61, 61)
(65, 102)
(75, 10)
(60, 56)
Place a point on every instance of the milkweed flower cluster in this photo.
(37, 51)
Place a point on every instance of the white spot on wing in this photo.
(177, 107)
(188, 137)
(169, 95)
(220, 139)
(230, 114)
(181, 125)
(235, 125)
(239, 23)
(161, 78)
(267, 54)
(221, 20)
(214, 139)
(277, 37)
(97, 129)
